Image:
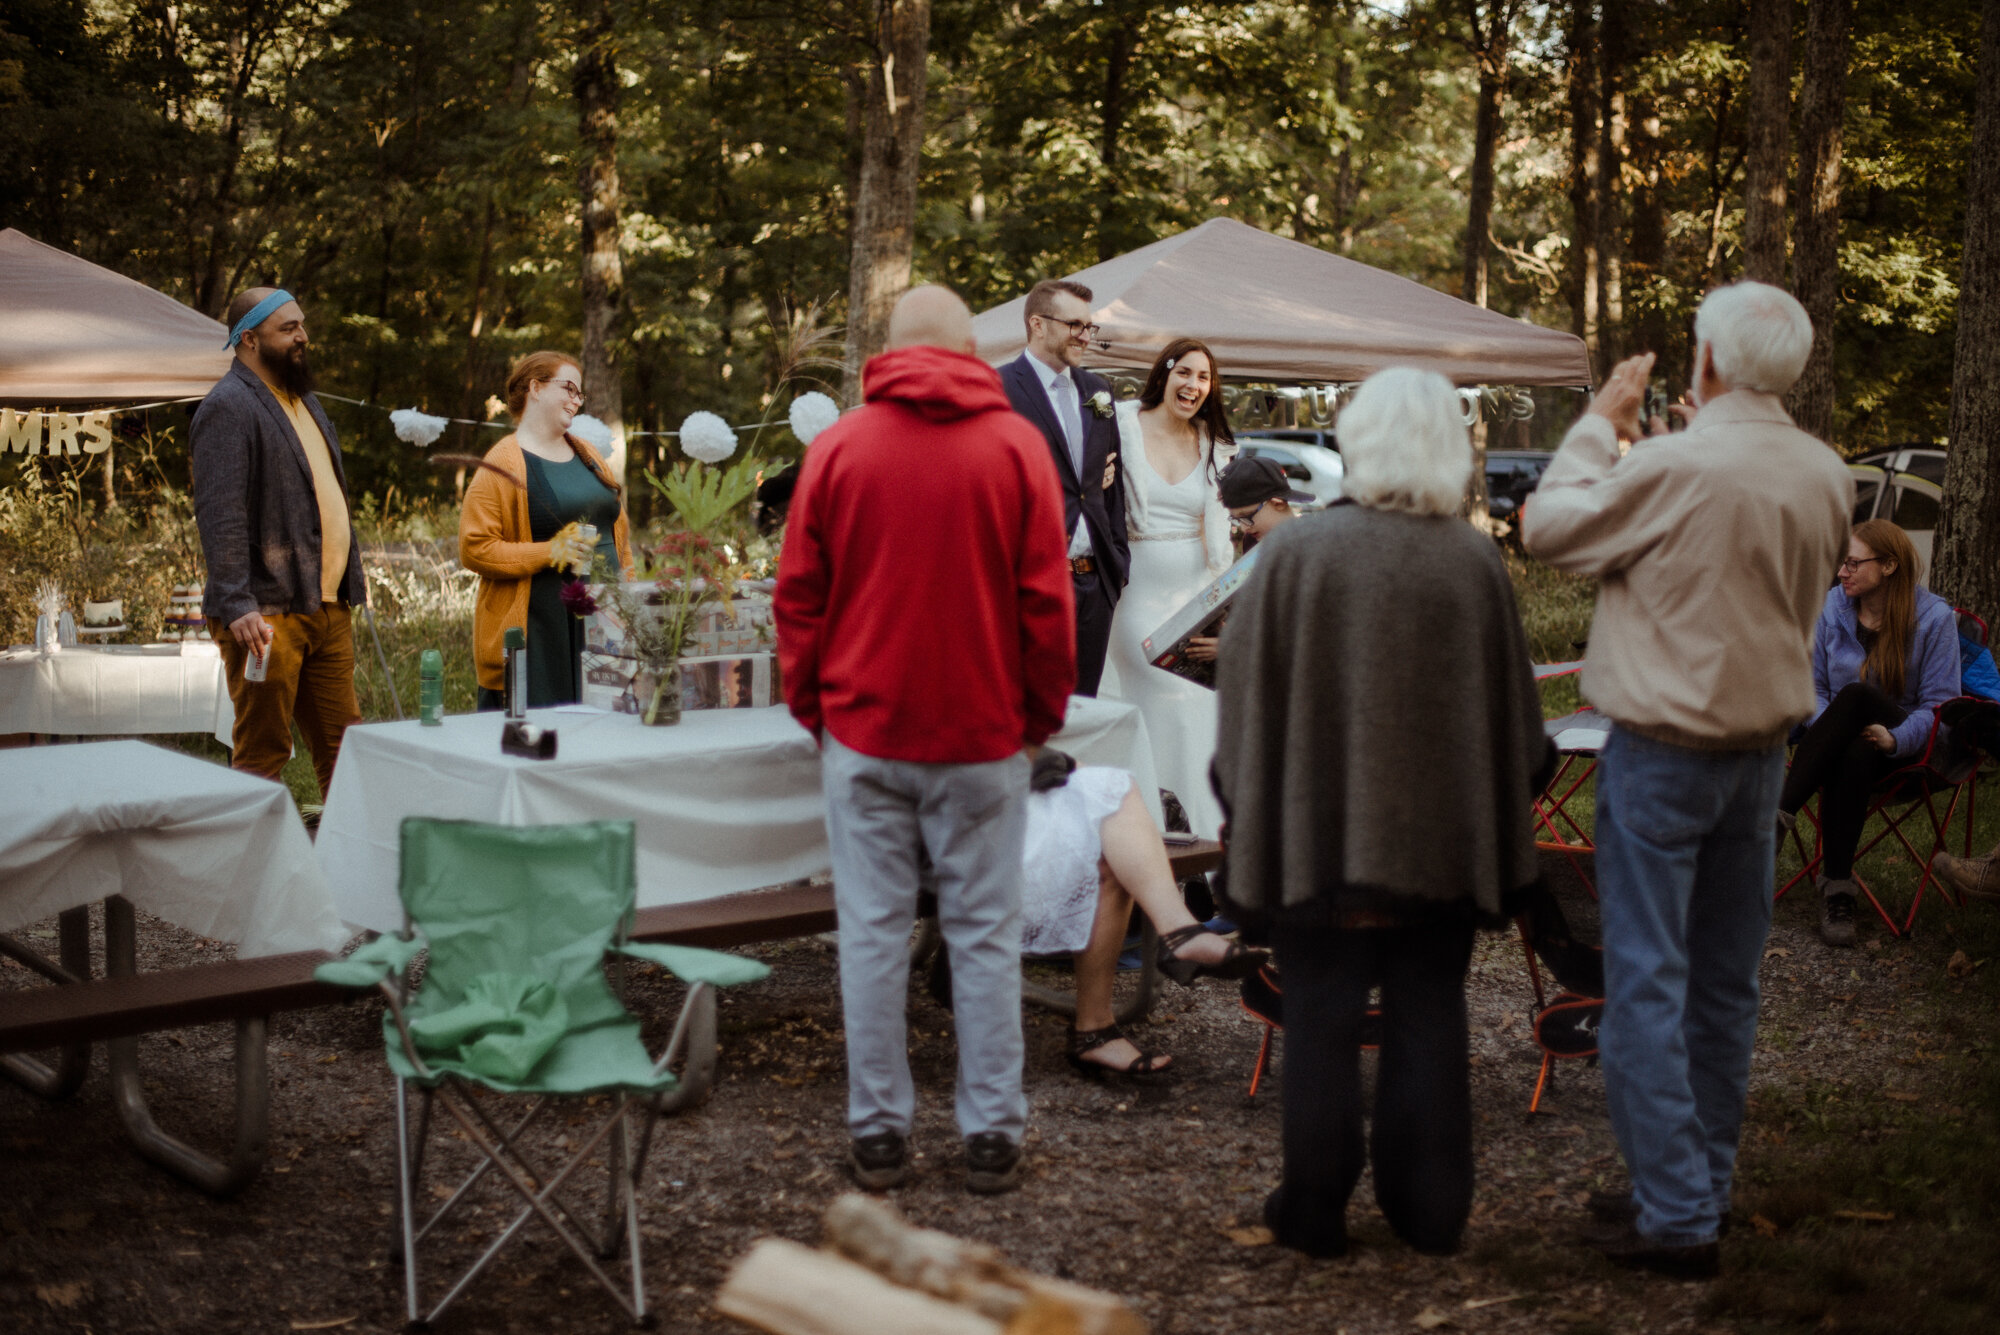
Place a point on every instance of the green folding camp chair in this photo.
(515, 1001)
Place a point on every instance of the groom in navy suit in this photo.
(1072, 408)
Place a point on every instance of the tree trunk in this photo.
(596, 86)
(1580, 79)
(1816, 232)
(885, 198)
(1485, 142)
(1112, 110)
(1611, 48)
(1768, 106)
(1966, 555)
(1646, 255)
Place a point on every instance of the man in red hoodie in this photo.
(927, 637)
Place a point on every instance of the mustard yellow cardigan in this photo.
(493, 544)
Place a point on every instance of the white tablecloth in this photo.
(725, 801)
(125, 690)
(219, 853)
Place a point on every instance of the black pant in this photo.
(1093, 629)
(1843, 767)
(1422, 1138)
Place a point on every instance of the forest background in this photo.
(701, 195)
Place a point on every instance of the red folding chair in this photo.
(1565, 1026)
(1579, 739)
(1942, 775)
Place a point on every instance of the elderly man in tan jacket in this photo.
(1713, 548)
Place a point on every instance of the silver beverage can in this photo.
(256, 665)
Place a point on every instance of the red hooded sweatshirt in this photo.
(924, 607)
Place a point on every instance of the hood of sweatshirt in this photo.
(941, 385)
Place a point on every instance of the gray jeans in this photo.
(972, 819)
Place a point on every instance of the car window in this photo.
(1916, 510)
(1267, 451)
(1864, 499)
(1927, 465)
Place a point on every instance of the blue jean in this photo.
(1685, 847)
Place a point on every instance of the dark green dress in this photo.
(559, 494)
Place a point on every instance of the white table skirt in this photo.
(725, 801)
(217, 852)
(113, 690)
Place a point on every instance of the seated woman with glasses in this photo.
(522, 532)
(1885, 654)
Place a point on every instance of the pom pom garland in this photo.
(812, 413)
(419, 428)
(706, 437)
(590, 431)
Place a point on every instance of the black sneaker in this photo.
(880, 1161)
(992, 1163)
(1836, 915)
(1624, 1244)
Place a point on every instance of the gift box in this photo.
(1202, 615)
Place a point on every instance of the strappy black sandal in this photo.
(1147, 1066)
(1239, 962)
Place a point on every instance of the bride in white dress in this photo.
(1175, 441)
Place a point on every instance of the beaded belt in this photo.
(1186, 535)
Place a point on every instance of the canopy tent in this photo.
(1280, 310)
(74, 332)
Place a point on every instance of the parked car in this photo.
(1511, 477)
(1905, 485)
(1310, 459)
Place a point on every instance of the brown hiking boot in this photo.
(1973, 878)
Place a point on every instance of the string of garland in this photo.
(703, 435)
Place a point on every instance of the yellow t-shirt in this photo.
(334, 527)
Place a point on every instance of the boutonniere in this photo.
(1100, 403)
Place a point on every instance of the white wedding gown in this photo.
(1169, 567)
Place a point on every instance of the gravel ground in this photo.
(1153, 1193)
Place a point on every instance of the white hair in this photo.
(1758, 336)
(1404, 442)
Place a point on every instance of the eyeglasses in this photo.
(1077, 328)
(1851, 564)
(569, 388)
(1242, 522)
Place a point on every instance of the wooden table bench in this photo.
(120, 1007)
(117, 1009)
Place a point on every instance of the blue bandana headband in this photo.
(257, 314)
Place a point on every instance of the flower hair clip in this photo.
(1170, 363)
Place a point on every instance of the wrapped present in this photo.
(1201, 615)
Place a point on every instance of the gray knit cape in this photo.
(1380, 738)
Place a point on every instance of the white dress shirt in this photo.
(1065, 400)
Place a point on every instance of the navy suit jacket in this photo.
(1102, 508)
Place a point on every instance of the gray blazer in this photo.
(255, 506)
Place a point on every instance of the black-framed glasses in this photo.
(1851, 564)
(1077, 328)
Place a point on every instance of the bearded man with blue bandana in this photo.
(270, 499)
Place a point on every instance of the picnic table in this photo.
(123, 690)
(726, 801)
(206, 848)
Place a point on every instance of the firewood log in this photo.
(790, 1289)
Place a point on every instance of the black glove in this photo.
(1051, 770)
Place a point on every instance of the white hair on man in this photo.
(1404, 442)
(1758, 336)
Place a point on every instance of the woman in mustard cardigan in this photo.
(519, 531)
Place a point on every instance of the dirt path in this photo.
(1151, 1193)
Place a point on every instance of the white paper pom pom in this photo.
(706, 437)
(415, 427)
(590, 431)
(812, 413)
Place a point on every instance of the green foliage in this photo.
(702, 497)
(411, 170)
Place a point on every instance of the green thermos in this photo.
(430, 709)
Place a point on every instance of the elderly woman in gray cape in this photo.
(1379, 752)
